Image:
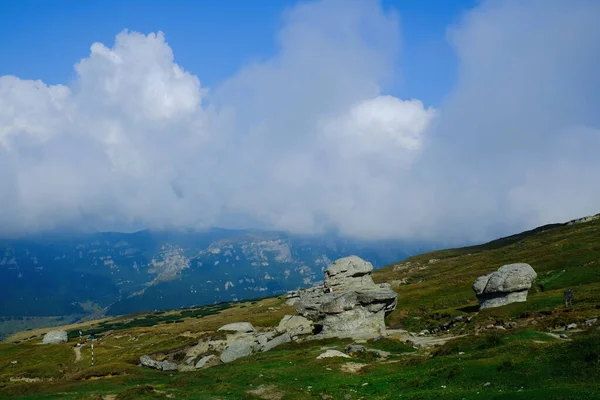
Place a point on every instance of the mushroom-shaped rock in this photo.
(55, 337)
(349, 271)
(238, 327)
(509, 284)
(349, 303)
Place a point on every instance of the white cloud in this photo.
(309, 140)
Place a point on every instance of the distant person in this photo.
(568, 298)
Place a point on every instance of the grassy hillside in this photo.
(435, 286)
(527, 361)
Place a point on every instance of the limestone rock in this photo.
(349, 303)
(295, 325)
(279, 340)
(206, 361)
(332, 353)
(55, 337)
(163, 365)
(509, 284)
(238, 327)
(239, 349)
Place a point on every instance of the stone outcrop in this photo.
(349, 303)
(240, 327)
(295, 325)
(55, 337)
(164, 365)
(238, 349)
(509, 284)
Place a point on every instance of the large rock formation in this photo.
(509, 284)
(55, 337)
(349, 304)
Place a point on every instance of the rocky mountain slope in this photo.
(437, 343)
(58, 275)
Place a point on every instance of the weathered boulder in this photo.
(349, 303)
(163, 365)
(279, 340)
(239, 349)
(206, 361)
(295, 325)
(509, 284)
(238, 327)
(332, 353)
(55, 337)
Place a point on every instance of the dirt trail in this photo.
(77, 350)
(420, 341)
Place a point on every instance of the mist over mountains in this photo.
(119, 273)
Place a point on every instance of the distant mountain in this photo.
(118, 273)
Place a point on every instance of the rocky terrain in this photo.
(112, 273)
(431, 338)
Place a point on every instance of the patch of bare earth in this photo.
(352, 367)
(267, 392)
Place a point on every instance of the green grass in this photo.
(521, 363)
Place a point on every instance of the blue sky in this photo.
(447, 120)
(212, 39)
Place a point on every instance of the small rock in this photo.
(486, 384)
(236, 350)
(332, 353)
(563, 336)
(570, 326)
(500, 327)
(347, 396)
(237, 327)
(354, 348)
(458, 318)
(203, 361)
(591, 322)
(424, 332)
(512, 324)
(14, 362)
(461, 353)
(55, 337)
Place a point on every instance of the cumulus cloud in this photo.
(310, 140)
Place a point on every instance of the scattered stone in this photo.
(424, 332)
(500, 327)
(238, 349)
(349, 303)
(570, 326)
(205, 361)
(238, 327)
(354, 348)
(563, 336)
(512, 324)
(591, 322)
(279, 340)
(509, 284)
(332, 353)
(55, 337)
(163, 365)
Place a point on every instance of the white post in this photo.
(92, 354)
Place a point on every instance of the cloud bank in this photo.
(310, 140)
